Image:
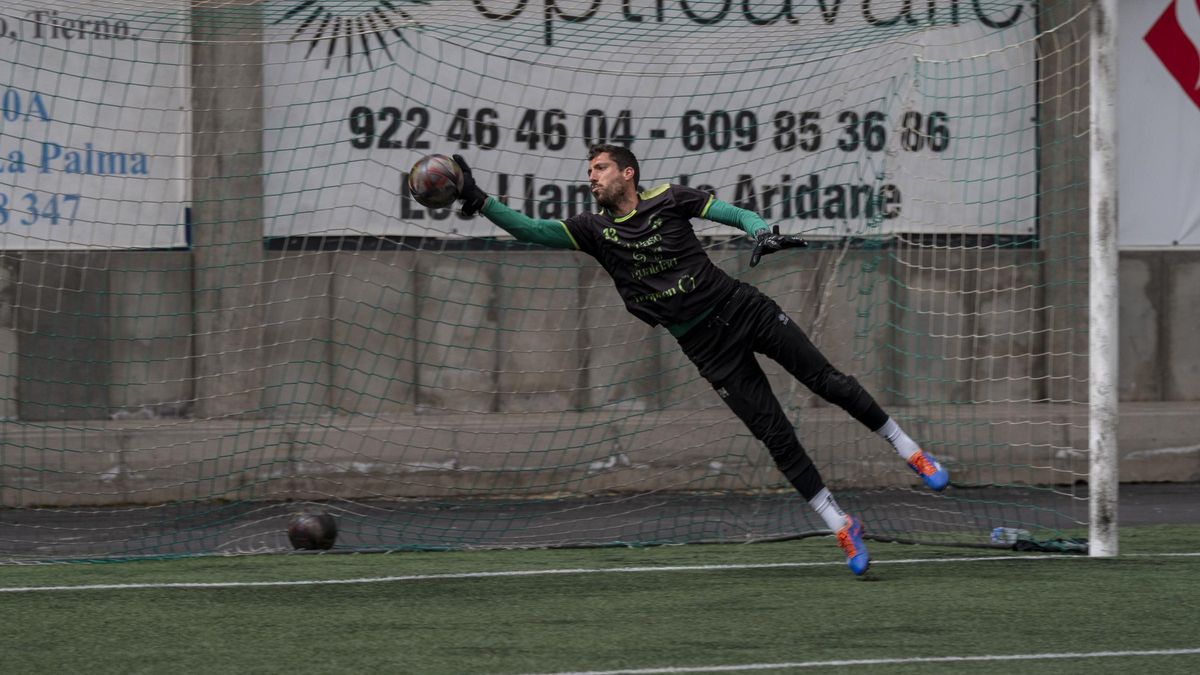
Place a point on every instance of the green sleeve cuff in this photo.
(551, 233)
(728, 214)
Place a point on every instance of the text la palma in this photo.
(87, 160)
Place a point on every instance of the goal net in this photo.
(221, 307)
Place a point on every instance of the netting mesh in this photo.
(221, 306)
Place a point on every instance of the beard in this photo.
(607, 198)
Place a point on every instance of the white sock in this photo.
(904, 445)
(827, 507)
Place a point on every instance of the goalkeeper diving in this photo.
(645, 241)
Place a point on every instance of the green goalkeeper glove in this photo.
(769, 241)
(472, 197)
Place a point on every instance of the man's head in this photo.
(613, 175)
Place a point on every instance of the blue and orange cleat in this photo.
(936, 478)
(850, 538)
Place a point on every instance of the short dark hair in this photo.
(621, 155)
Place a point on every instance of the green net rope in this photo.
(221, 307)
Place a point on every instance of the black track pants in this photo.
(723, 348)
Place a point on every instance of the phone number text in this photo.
(34, 208)
(414, 128)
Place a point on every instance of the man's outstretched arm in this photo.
(766, 239)
(552, 233)
(727, 214)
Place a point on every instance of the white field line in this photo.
(884, 662)
(538, 573)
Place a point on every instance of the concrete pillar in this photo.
(1181, 353)
(296, 338)
(623, 359)
(539, 367)
(227, 187)
(10, 272)
(1063, 188)
(373, 343)
(150, 324)
(64, 356)
(457, 331)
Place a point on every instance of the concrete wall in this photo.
(408, 373)
(1160, 355)
(96, 334)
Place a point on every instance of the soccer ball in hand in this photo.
(312, 531)
(435, 181)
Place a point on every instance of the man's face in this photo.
(608, 182)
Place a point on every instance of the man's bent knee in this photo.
(837, 387)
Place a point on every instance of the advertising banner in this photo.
(93, 125)
(1158, 128)
(831, 118)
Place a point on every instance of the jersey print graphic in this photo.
(655, 259)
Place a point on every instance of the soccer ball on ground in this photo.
(435, 181)
(312, 531)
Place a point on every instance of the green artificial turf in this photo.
(917, 602)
